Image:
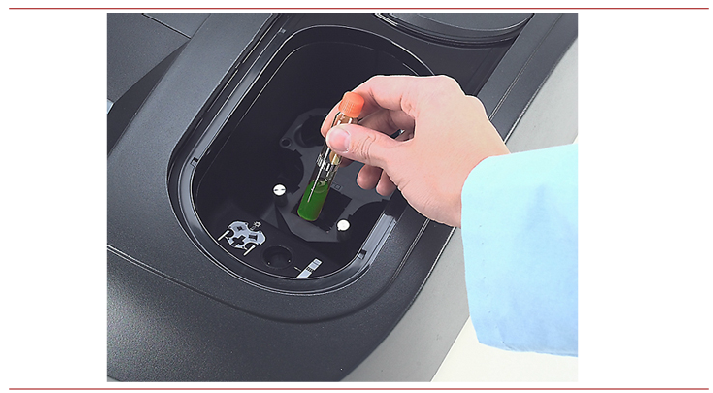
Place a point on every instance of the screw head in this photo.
(343, 225)
(279, 189)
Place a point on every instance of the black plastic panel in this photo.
(130, 102)
(135, 45)
(177, 314)
(186, 24)
(462, 28)
(526, 67)
(268, 140)
(160, 330)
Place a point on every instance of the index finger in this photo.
(409, 94)
(405, 94)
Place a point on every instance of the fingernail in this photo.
(338, 139)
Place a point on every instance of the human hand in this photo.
(445, 135)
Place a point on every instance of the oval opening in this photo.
(272, 137)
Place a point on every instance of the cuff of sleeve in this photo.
(519, 229)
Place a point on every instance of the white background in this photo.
(645, 195)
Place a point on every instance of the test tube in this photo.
(328, 161)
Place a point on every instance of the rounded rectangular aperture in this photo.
(271, 141)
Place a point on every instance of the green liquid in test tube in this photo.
(328, 162)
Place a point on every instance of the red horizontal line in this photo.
(363, 9)
(382, 388)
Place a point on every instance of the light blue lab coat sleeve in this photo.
(519, 229)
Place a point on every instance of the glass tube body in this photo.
(327, 164)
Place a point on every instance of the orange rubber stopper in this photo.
(351, 104)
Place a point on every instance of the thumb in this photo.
(361, 144)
